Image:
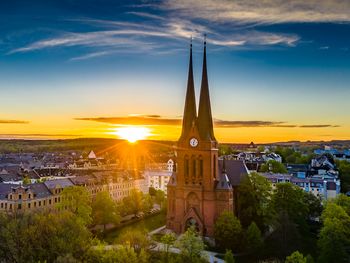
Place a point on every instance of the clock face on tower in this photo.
(193, 142)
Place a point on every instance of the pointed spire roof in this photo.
(190, 113)
(205, 121)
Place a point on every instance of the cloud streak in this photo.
(13, 122)
(159, 120)
(154, 33)
(262, 12)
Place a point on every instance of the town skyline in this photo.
(68, 73)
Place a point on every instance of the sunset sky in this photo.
(278, 70)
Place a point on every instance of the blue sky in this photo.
(280, 61)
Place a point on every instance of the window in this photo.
(194, 168)
(28, 205)
(49, 201)
(214, 165)
(19, 197)
(29, 196)
(187, 170)
(34, 204)
(10, 206)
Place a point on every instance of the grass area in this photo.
(149, 223)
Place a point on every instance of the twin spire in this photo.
(204, 121)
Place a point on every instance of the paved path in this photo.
(160, 247)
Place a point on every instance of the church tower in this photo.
(197, 192)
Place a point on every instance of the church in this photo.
(199, 189)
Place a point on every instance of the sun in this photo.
(132, 133)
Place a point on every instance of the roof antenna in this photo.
(205, 39)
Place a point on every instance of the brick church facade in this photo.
(198, 192)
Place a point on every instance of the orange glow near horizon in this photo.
(132, 133)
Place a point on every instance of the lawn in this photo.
(149, 223)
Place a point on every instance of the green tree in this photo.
(152, 191)
(136, 239)
(104, 210)
(229, 258)
(254, 196)
(334, 237)
(274, 167)
(122, 254)
(343, 201)
(291, 218)
(228, 231)
(147, 203)
(296, 257)
(314, 204)
(254, 238)
(168, 240)
(134, 202)
(344, 174)
(77, 199)
(289, 199)
(42, 237)
(309, 259)
(191, 246)
(26, 180)
(160, 198)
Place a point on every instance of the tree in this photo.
(104, 210)
(296, 257)
(343, 201)
(229, 257)
(42, 237)
(26, 180)
(254, 196)
(228, 231)
(344, 174)
(314, 204)
(289, 199)
(147, 203)
(160, 197)
(291, 214)
(122, 254)
(134, 202)
(334, 235)
(274, 167)
(137, 239)
(254, 239)
(309, 259)
(152, 191)
(191, 246)
(168, 240)
(77, 199)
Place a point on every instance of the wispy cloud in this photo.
(159, 120)
(319, 126)
(13, 122)
(154, 33)
(267, 11)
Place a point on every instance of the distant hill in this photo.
(81, 144)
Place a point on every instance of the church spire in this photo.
(190, 113)
(205, 121)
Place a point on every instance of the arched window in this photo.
(194, 169)
(214, 166)
(186, 169)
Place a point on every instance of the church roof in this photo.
(190, 113)
(236, 170)
(205, 120)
